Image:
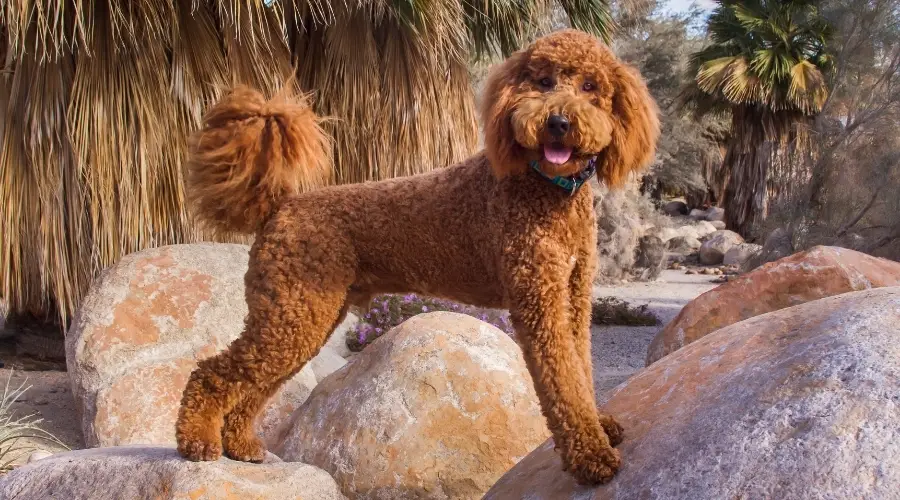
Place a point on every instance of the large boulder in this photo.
(439, 407)
(713, 250)
(133, 472)
(814, 274)
(799, 403)
(140, 332)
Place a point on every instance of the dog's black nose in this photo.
(557, 125)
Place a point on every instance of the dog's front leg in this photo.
(581, 288)
(536, 276)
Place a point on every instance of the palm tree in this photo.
(765, 66)
(97, 99)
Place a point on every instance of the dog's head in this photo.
(564, 100)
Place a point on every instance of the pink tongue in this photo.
(557, 155)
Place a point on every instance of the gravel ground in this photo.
(619, 351)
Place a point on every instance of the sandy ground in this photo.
(618, 352)
(49, 399)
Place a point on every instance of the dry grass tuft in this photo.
(608, 311)
(14, 428)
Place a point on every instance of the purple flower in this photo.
(378, 331)
(424, 309)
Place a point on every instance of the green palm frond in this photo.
(593, 16)
(766, 65)
(778, 38)
(712, 74)
(97, 99)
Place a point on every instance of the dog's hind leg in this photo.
(239, 439)
(296, 293)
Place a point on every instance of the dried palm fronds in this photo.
(97, 100)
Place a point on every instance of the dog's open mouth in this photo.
(557, 152)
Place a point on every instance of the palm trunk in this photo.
(746, 167)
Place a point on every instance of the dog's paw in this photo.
(594, 464)
(198, 450)
(614, 431)
(244, 447)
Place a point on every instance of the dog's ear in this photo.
(635, 128)
(497, 102)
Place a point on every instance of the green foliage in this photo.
(767, 53)
(659, 47)
(767, 66)
(387, 311)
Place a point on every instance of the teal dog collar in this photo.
(569, 183)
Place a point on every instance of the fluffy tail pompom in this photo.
(250, 154)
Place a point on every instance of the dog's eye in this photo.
(546, 83)
(588, 86)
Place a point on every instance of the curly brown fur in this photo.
(250, 154)
(489, 232)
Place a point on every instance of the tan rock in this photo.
(697, 214)
(338, 340)
(799, 403)
(133, 472)
(816, 273)
(689, 231)
(704, 228)
(715, 214)
(676, 207)
(717, 244)
(439, 407)
(325, 363)
(667, 233)
(685, 244)
(739, 254)
(140, 332)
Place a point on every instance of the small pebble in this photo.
(38, 455)
(41, 401)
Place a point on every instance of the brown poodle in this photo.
(507, 228)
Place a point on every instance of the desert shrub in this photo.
(625, 218)
(15, 428)
(841, 189)
(659, 47)
(387, 311)
(608, 311)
